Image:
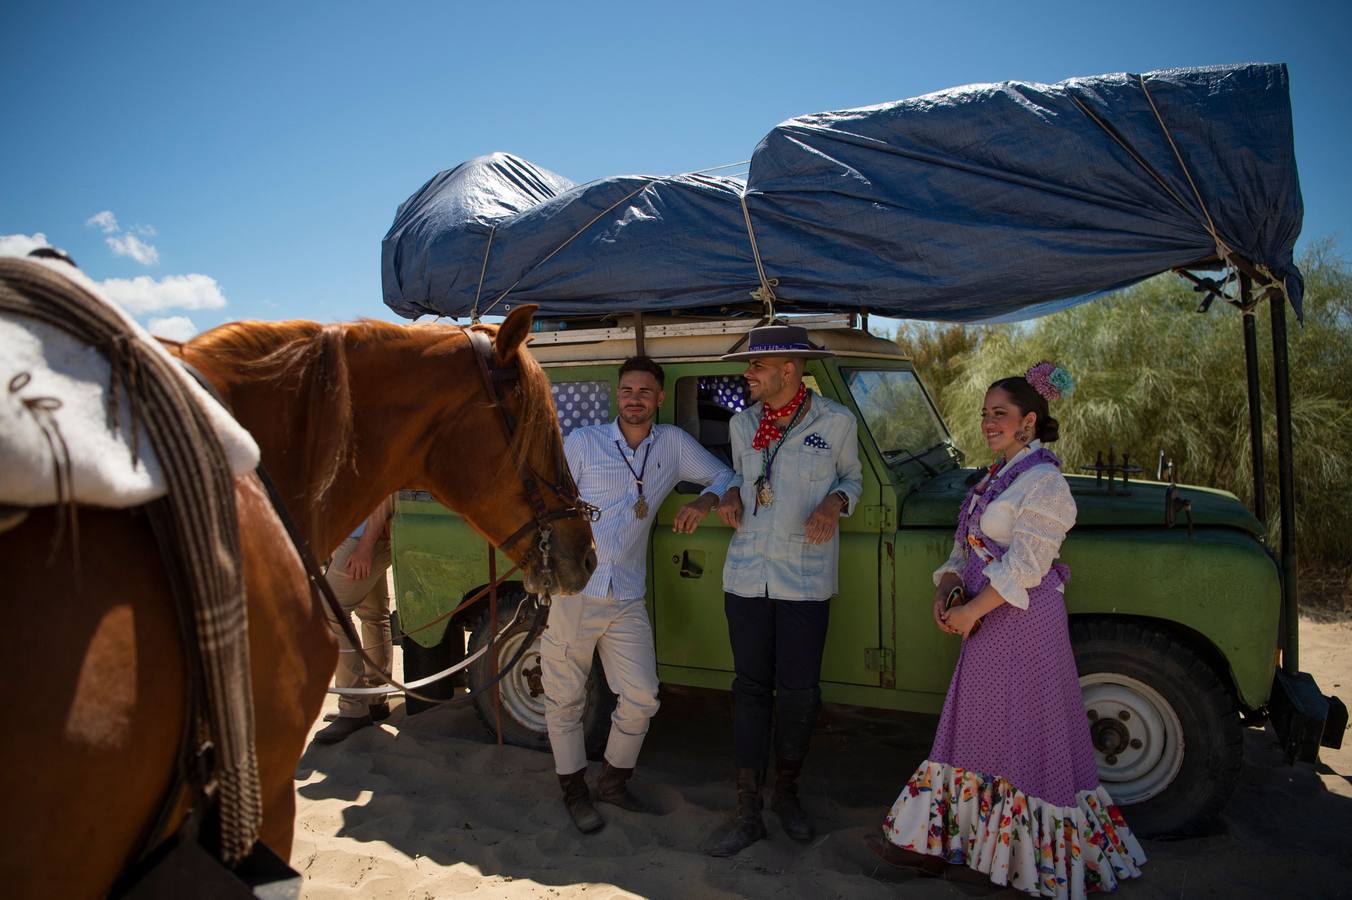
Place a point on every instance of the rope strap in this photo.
(765, 294)
(594, 219)
(483, 270)
(1224, 252)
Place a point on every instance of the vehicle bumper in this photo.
(1304, 718)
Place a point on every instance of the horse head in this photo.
(346, 414)
(500, 464)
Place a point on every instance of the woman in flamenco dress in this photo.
(1010, 788)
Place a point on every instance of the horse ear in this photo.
(512, 333)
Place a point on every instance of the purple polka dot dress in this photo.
(1011, 786)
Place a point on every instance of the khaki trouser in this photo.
(619, 631)
(369, 598)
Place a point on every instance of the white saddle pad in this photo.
(102, 470)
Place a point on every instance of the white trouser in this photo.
(369, 598)
(619, 631)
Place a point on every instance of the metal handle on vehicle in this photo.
(691, 562)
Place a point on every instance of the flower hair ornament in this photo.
(1050, 380)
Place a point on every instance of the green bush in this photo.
(1152, 373)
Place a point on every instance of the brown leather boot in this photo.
(784, 801)
(577, 798)
(747, 826)
(610, 788)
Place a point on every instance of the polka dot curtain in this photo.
(727, 391)
(581, 403)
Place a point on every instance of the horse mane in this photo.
(314, 356)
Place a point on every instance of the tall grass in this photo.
(1152, 373)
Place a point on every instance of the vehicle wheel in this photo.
(522, 691)
(1166, 731)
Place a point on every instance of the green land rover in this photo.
(1175, 620)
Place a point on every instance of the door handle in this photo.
(691, 563)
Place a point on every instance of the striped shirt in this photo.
(601, 461)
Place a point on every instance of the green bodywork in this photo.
(1215, 587)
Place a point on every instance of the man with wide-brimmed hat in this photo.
(796, 455)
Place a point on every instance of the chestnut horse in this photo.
(344, 415)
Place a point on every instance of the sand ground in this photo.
(427, 806)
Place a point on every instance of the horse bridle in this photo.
(563, 487)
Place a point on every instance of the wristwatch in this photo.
(844, 500)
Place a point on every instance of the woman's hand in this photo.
(961, 620)
(946, 585)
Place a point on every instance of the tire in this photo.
(523, 706)
(420, 661)
(1166, 730)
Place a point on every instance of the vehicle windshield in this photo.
(897, 412)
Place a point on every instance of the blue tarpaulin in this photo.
(987, 201)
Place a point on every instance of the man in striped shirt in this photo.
(625, 468)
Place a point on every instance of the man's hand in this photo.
(689, 516)
(822, 523)
(730, 507)
(359, 563)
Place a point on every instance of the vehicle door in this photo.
(911, 445)
(686, 571)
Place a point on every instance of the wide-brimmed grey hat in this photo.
(779, 340)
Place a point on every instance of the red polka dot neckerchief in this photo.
(766, 432)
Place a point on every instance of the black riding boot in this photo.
(795, 715)
(747, 826)
(784, 801)
(611, 788)
(577, 799)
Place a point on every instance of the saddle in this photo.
(95, 412)
(68, 430)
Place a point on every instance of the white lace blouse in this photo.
(1031, 518)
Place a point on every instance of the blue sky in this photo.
(251, 156)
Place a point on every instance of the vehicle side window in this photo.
(581, 403)
(704, 406)
(706, 403)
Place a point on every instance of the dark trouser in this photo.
(777, 654)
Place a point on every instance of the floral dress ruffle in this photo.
(989, 825)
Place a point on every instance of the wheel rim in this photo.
(1138, 738)
(523, 697)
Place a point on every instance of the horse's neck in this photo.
(280, 416)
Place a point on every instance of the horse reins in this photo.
(564, 487)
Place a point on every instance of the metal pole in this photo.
(1286, 487)
(492, 635)
(1255, 399)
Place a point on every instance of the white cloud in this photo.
(131, 245)
(126, 243)
(105, 221)
(144, 294)
(175, 328)
(21, 244)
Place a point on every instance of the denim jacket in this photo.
(769, 551)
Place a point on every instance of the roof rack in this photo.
(563, 333)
